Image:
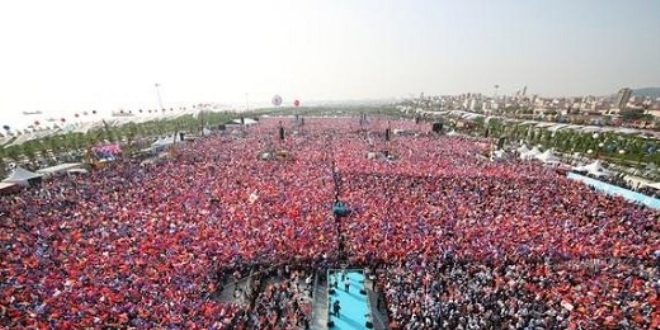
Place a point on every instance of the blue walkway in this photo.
(354, 305)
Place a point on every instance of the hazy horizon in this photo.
(67, 57)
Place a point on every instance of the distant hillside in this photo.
(653, 92)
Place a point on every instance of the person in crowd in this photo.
(336, 309)
(460, 242)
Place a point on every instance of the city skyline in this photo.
(74, 56)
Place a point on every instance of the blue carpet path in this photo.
(354, 305)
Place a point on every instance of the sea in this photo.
(18, 120)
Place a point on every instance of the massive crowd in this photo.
(619, 180)
(463, 242)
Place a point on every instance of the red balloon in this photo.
(121, 111)
(36, 122)
(296, 103)
(77, 115)
(63, 120)
(93, 112)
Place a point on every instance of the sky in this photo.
(64, 57)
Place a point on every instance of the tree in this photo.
(629, 116)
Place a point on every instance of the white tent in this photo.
(59, 168)
(6, 185)
(579, 168)
(166, 141)
(530, 154)
(547, 156)
(160, 141)
(21, 176)
(654, 185)
(523, 150)
(246, 121)
(594, 168)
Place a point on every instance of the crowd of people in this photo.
(620, 180)
(464, 242)
(283, 304)
(522, 294)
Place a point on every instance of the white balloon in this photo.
(277, 100)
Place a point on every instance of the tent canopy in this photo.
(58, 168)
(166, 141)
(547, 156)
(595, 168)
(6, 185)
(523, 149)
(654, 185)
(163, 143)
(22, 176)
(530, 154)
(246, 121)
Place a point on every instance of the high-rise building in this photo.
(524, 91)
(475, 105)
(622, 98)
